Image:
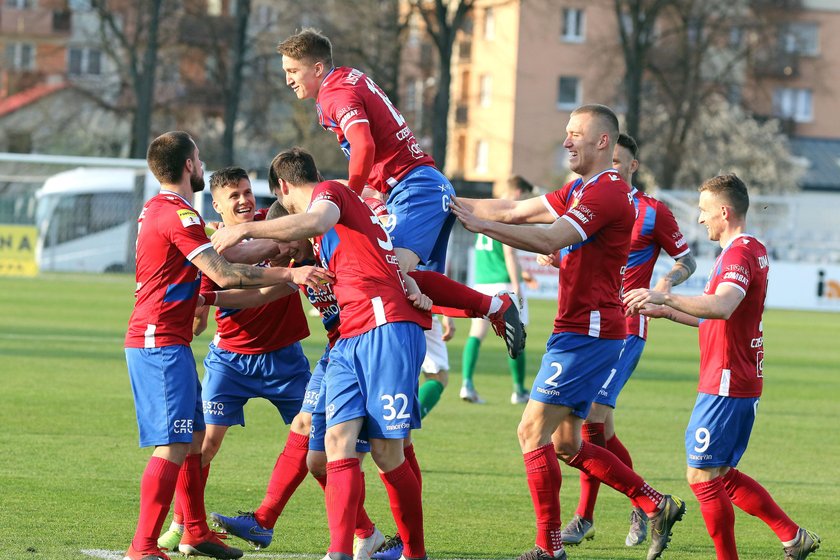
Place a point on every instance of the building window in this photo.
(20, 56)
(568, 93)
(84, 61)
(802, 38)
(482, 156)
(489, 24)
(794, 103)
(20, 4)
(573, 25)
(80, 5)
(485, 90)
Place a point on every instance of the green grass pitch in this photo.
(70, 465)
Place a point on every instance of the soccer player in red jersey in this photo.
(655, 229)
(384, 155)
(371, 378)
(255, 353)
(172, 247)
(591, 220)
(729, 317)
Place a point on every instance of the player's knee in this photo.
(387, 453)
(302, 423)
(316, 462)
(441, 377)
(565, 450)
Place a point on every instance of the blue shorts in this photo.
(719, 430)
(627, 362)
(313, 388)
(419, 217)
(167, 394)
(231, 379)
(573, 368)
(374, 376)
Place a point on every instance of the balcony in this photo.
(777, 64)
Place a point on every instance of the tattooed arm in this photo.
(229, 275)
(679, 273)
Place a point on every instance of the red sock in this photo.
(157, 486)
(617, 448)
(544, 480)
(446, 292)
(364, 526)
(716, 508)
(589, 485)
(407, 508)
(415, 466)
(178, 511)
(754, 499)
(342, 498)
(451, 312)
(190, 492)
(289, 471)
(606, 467)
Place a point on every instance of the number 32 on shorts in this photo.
(398, 399)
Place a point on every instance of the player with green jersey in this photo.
(496, 269)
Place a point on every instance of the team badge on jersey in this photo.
(188, 218)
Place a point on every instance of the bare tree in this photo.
(637, 30)
(443, 20)
(233, 87)
(130, 39)
(680, 54)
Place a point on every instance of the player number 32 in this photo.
(390, 410)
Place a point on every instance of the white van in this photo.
(83, 217)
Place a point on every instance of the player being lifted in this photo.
(729, 319)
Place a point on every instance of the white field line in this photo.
(118, 555)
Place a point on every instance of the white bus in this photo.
(84, 217)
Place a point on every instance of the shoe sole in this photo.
(586, 537)
(517, 344)
(677, 518)
(221, 554)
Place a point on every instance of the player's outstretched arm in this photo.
(253, 252)
(244, 299)
(665, 312)
(529, 238)
(230, 275)
(719, 305)
(315, 221)
(528, 211)
(683, 268)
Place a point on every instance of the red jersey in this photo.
(170, 233)
(368, 285)
(732, 350)
(655, 229)
(258, 330)
(589, 295)
(347, 97)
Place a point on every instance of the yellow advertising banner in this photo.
(17, 250)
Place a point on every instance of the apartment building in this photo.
(520, 67)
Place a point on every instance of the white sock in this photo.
(495, 305)
(794, 541)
